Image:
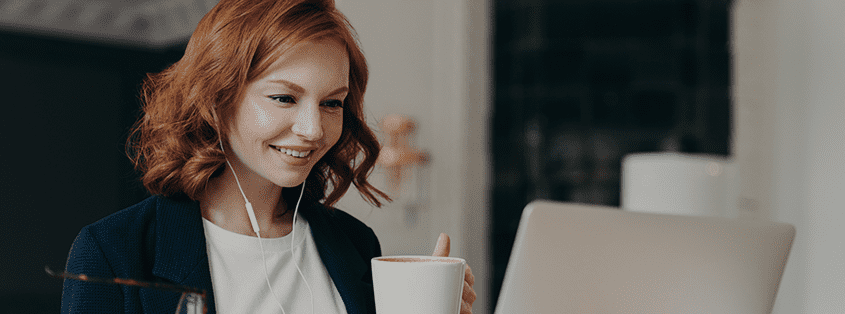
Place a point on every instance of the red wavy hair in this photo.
(175, 144)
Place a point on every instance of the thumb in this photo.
(442, 248)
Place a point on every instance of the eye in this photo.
(333, 104)
(285, 99)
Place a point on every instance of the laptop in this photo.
(575, 258)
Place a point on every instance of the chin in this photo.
(289, 180)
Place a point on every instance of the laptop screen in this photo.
(574, 258)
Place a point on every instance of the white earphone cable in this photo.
(293, 238)
(255, 228)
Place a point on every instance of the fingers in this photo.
(468, 295)
(442, 248)
(466, 308)
(468, 276)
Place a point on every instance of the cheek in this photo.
(333, 127)
(263, 119)
(259, 123)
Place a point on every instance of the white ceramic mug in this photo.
(418, 284)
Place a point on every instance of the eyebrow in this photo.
(301, 90)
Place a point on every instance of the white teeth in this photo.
(294, 153)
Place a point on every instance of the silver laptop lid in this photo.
(573, 258)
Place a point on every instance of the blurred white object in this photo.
(684, 184)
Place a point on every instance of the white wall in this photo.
(789, 139)
(429, 60)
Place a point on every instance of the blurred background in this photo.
(512, 101)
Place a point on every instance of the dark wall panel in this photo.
(67, 108)
(581, 83)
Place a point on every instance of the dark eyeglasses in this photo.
(193, 298)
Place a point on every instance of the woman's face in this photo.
(292, 115)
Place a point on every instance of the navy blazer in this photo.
(161, 239)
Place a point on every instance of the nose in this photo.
(309, 125)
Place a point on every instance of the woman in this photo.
(239, 143)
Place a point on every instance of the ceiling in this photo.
(143, 23)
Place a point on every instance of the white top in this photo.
(237, 273)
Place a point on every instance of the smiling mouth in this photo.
(292, 153)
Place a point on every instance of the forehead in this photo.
(312, 62)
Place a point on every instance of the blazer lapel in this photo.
(180, 255)
(344, 264)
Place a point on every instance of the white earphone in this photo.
(251, 213)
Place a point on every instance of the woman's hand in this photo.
(468, 297)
